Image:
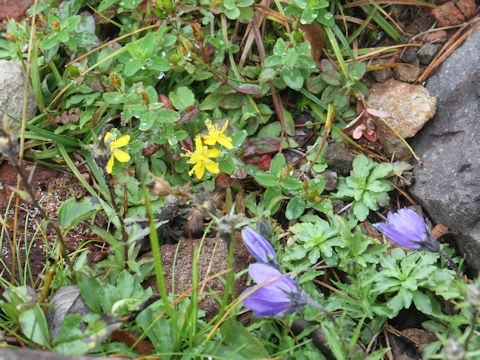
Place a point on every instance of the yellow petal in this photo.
(107, 136)
(209, 140)
(212, 166)
(121, 156)
(109, 166)
(225, 141)
(124, 140)
(199, 170)
(198, 143)
(224, 127)
(209, 125)
(213, 153)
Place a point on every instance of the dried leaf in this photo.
(313, 34)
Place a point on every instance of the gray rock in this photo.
(410, 106)
(409, 56)
(26, 354)
(330, 179)
(339, 159)
(427, 53)
(448, 184)
(12, 88)
(381, 75)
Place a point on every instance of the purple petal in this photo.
(261, 273)
(396, 236)
(257, 245)
(416, 222)
(267, 301)
(405, 228)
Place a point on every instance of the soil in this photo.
(13, 9)
(51, 189)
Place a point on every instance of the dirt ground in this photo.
(51, 188)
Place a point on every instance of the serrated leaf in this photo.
(379, 186)
(362, 165)
(381, 171)
(360, 210)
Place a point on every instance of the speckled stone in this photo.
(448, 184)
(411, 106)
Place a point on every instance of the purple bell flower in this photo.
(258, 246)
(408, 229)
(278, 298)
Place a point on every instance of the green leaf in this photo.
(132, 67)
(422, 302)
(357, 70)
(295, 208)
(157, 63)
(360, 210)
(90, 291)
(316, 84)
(273, 61)
(362, 165)
(114, 97)
(241, 342)
(379, 186)
(182, 98)
(377, 355)
(280, 47)
(268, 74)
(34, 325)
(381, 170)
(227, 165)
(277, 164)
(293, 78)
(69, 340)
(369, 200)
(72, 213)
(291, 184)
(266, 180)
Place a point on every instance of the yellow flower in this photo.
(216, 135)
(120, 155)
(201, 159)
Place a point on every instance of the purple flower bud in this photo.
(258, 246)
(407, 228)
(280, 297)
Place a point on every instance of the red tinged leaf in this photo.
(370, 135)
(149, 150)
(223, 180)
(167, 104)
(130, 337)
(358, 132)
(189, 114)
(187, 144)
(262, 162)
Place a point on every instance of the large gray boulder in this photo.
(448, 184)
(12, 89)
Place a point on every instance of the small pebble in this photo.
(408, 72)
(409, 56)
(436, 36)
(427, 53)
(381, 75)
